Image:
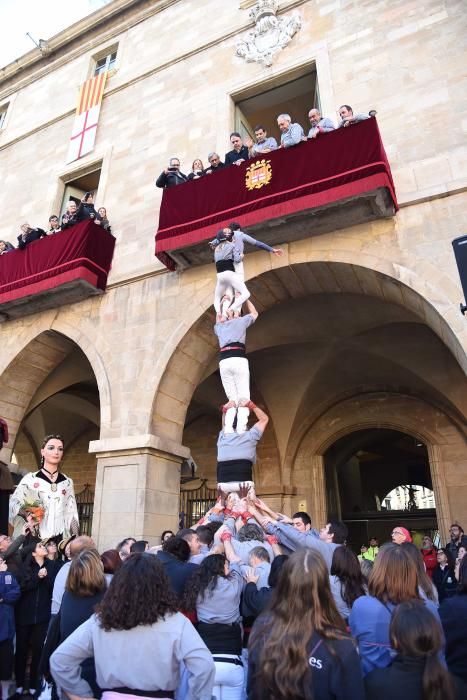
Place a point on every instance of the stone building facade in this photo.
(359, 329)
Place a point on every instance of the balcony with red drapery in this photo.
(337, 180)
(62, 268)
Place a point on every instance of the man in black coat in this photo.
(171, 176)
(458, 539)
(29, 235)
(215, 164)
(239, 153)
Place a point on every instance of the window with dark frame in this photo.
(3, 113)
(105, 63)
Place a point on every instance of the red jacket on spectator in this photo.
(429, 557)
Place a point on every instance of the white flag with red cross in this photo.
(84, 130)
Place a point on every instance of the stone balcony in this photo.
(337, 180)
(61, 269)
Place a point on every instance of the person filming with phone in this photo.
(86, 208)
(171, 176)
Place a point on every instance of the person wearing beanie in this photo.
(400, 534)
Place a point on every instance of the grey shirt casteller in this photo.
(294, 539)
(59, 587)
(227, 251)
(222, 603)
(233, 331)
(238, 445)
(121, 662)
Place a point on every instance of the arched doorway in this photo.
(50, 387)
(333, 351)
(363, 468)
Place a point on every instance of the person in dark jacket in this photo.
(215, 164)
(6, 247)
(453, 614)
(443, 575)
(239, 152)
(69, 217)
(171, 176)
(416, 672)
(303, 616)
(29, 235)
(9, 594)
(33, 614)
(174, 558)
(86, 208)
(85, 588)
(458, 539)
(15, 552)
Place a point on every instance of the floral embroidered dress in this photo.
(56, 499)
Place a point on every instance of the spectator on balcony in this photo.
(264, 143)
(54, 224)
(319, 124)
(69, 217)
(197, 170)
(291, 134)
(171, 176)
(215, 163)
(6, 247)
(348, 117)
(29, 235)
(239, 152)
(86, 208)
(102, 219)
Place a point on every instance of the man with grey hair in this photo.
(319, 125)
(291, 134)
(171, 176)
(215, 163)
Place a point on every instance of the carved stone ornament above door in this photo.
(270, 35)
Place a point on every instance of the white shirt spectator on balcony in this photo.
(319, 124)
(291, 134)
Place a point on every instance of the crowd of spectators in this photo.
(74, 214)
(251, 604)
(291, 134)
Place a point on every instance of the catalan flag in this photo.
(88, 108)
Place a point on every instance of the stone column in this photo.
(137, 488)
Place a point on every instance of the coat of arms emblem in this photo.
(270, 35)
(258, 174)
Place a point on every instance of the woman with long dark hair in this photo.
(47, 495)
(347, 582)
(299, 647)
(214, 592)
(416, 672)
(392, 581)
(138, 639)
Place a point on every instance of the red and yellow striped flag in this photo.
(84, 130)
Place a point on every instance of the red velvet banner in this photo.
(83, 251)
(340, 164)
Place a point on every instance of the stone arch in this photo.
(445, 439)
(24, 370)
(323, 271)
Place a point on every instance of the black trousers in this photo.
(29, 637)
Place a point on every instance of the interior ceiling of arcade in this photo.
(307, 355)
(67, 403)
